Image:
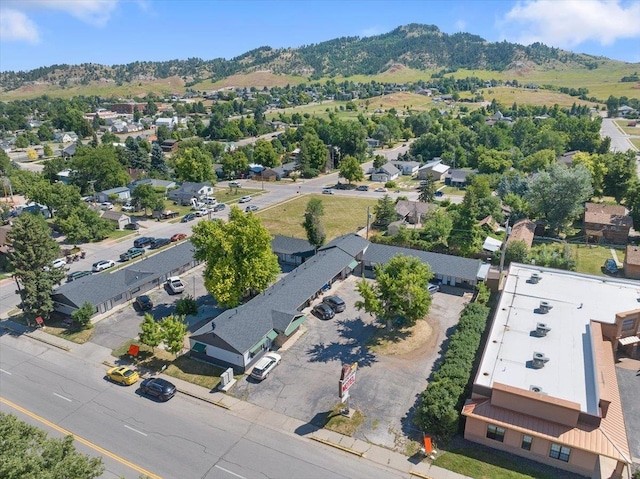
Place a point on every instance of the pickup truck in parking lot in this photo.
(131, 253)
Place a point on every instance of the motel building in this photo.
(546, 388)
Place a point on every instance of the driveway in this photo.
(305, 384)
(629, 384)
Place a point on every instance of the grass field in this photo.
(258, 79)
(629, 130)
(509, 95)
(590, 259)
(340, 216)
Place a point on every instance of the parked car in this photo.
(128, 207)
(219, 207)
(380, 190)
(188, 217)
(132, 226)
(202, 212)
(439, 193)
(610, 266)
(123, 375)
(234, 184)
(337, 304)
(327, 191)
(158, 387)
(265, 365)
(363, 188)
(159, 242)
(131, 253)
(143, 241)
(59, 263)
(251, 208)
(106, 205)
(245, 199)
(178, 237)
(102, 265)
(323, 311)
(433, 288)
(175, 284)
(209, 200)
(144, 302)
(77, 275)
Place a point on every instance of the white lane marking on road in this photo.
(230, 472)
(134, 430)
(62, 397)
(6, 372)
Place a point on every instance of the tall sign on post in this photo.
(347, 379)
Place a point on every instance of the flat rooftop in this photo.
(576, 299)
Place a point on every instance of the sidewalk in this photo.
(264, 417)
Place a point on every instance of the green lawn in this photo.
(340, 216)
(481, 463)
(591, 258)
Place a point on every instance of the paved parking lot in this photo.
(305, 384)
(629, 384)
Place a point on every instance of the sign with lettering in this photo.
(347, 379)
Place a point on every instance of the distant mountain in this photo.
(416, 46)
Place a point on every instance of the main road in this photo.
(183, 438)
(272, 194)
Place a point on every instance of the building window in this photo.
(526, 442)
(496, 433)
(559, 452)
(628, 325)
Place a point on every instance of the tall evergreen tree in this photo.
(158, 161)
(312, 225)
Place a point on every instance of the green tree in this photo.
(313, 153)
(427, 190)
(100, 165)
(59, 198)
(47, 151)
(163, 133)
(84, 224)
(621, 172)
(264, 154)
(151, 332)
(466, 236)
(158, 161)
(538, 161)
(436, 229)
(33, 252)
(83, 315)
(146, 197)
(151, 109)
(109, 138)
(174, 330)
(45, 132)
(350, 169)
(597, 167)
(385, 211)
(234, 163)
(187, 306)
(193, 164)
(5, 162)
(559, 194)
(312, 225)
(238, 256)
(27, 452)
(516, 252)
(399, 293)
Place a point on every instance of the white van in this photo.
(210, 201)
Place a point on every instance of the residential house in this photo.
(267, 174)
(166, 185)
(606, 223)
(386, 172)
(118, 126)
(290, 250)
(69, 151)
(497, 117)
(435, 169)
(64, 176)
(168, 122)
(567, 158)
(65, 137)
(522, 230)
(106, 291)
(408, 168)
(373, 143)
(121, 193)
(546, 386)
(625, 110)
(631, 266)
(118, 218)
(285, 170)
(458, 178)
(33, 207)
(412, 212)
(169, 146)
(188, 190)
(238, 337)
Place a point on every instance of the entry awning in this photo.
(272, 335)
(353, 264)
(256, 347)
(199, 348)
(629, 340)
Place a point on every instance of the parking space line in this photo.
(6, 372)
(62, 397)
(230, 472)
(135, 430)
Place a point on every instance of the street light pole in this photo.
(368, 218)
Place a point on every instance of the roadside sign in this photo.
(347, 379)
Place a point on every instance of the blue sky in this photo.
(37, 33)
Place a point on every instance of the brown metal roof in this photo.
(523, 230)
(632, 256)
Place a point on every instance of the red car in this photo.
(178, 237)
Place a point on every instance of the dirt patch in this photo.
(405, 343)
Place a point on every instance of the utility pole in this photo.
(507, 231)
(368, 219)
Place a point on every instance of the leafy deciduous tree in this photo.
(151, 332)
(174, 330)
(350, 169)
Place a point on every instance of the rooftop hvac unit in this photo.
(545, 307)
(542, 329)
(535, 278)
(539, 360)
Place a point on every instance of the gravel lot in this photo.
(305, 384)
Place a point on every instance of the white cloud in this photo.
(569, 23)
(94, 12)
(15, 25)
(370, 32)
(460, 25)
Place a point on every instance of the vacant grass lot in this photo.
(590, 258)
(340, 216)
(509, 95)
(629, 130)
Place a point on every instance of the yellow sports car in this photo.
(123, 375)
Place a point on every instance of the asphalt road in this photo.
(619, 140)
(183, 438)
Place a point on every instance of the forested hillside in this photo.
(416, 46)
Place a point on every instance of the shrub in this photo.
(390, 184)
(186, 306)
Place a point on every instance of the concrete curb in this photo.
(338, 446)
(42, 340)
(210, 401)
(419, 474)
